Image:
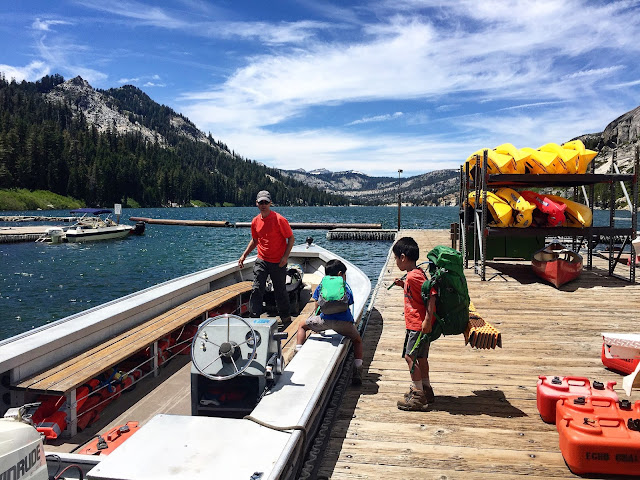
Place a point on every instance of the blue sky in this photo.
(372, 86)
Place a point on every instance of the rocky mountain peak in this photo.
(97, 109)
(623, 130)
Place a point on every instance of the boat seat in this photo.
(289, 346)
(65, 377)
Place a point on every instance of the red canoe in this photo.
(556, 264)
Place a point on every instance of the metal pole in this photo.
(399, 199)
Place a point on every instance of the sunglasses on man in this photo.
(264, 202)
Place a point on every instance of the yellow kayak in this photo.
(544, 162)
(499, 209)
(567, 159)
(523, 209)
(496, 162)
(577, 214)
(584, 154)
(518, 155)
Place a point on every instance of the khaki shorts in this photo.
(410, 340)
(343, 327)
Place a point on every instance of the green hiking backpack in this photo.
(333, 297)
(452, 303)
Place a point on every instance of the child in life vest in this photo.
(342, 322)
(418, 321)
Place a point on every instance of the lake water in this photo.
(41, 283)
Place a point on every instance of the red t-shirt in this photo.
(271, 233)
(414, 308)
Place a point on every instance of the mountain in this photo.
(620, 136)
(434, 188)
(119, 146)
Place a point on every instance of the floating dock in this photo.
(36, 218)
(321, 226)
(361, 234)
(188, 223)
(484, 422)
(21, 234)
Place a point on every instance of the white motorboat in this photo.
(91, 226)
(193, 421)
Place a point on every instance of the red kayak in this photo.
(553, 210)
(556, 264)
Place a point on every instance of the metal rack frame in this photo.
(482, 181)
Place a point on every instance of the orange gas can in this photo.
(551, 389)
(599, 435)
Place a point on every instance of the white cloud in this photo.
(377, 118)
(615, 86)
(44, 25)
(32, 72)
(594, 72)
(374, 155)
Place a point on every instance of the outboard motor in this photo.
(294, 288)
(21, 449)
(234, 361)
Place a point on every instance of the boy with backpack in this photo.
(332, 299)
(417, 322)
(434, 307)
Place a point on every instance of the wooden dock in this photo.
(484, 422)
(21, 234)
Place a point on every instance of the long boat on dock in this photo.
(83, 368)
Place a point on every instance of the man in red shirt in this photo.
(273, 236)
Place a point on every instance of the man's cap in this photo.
(263, 195)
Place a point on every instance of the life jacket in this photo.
(333, 297)
(53, 426)
(447, 278)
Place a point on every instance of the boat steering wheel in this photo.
(205, 352)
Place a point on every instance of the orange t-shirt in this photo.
(414, 308)
(271, 233)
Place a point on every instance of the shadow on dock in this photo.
(493, 403)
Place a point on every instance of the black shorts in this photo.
(410, 339)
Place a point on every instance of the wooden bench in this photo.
(65, 377)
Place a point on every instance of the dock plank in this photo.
(484, 422)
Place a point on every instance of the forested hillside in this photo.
(47, 145)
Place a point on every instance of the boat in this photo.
(522, 208)
(543, 162)
(568, 158)
(557, 264)
(519, 157)
(553, 211)
(499, 209)
(496, 162)
(253, 415)
(585, 156)
(91, 226)
(576, 214)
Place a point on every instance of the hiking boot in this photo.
(415, 401)
(356, 378)
(428, 392)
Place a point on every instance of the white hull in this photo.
(75, 235)
(217, 447)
